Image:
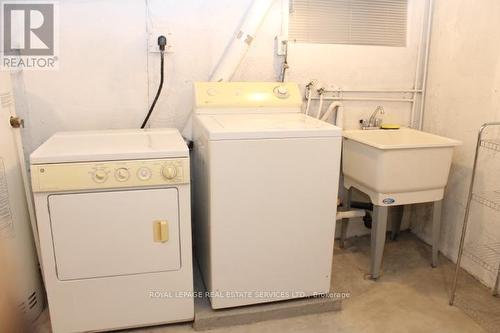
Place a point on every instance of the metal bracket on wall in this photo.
(16, 122)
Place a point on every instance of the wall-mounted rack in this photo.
(487, 255)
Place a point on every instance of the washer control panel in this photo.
(116, 174)
(268, 95)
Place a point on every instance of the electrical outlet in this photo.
(153, 41)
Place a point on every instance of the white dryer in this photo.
(265, 193)
(113, 212)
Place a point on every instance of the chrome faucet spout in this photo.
(373, 122)
(373, 117)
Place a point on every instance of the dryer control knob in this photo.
(122, 174)
(144, 173)
(169, 171)
(100, 176)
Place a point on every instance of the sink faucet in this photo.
(373, 122)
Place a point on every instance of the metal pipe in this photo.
(285, 17)
(374, 91)
(467, 209)
(338, 98)
(320, 106)
(308, 104)
(384, 99)
(417, 72)
(426, 64)
(308, 96)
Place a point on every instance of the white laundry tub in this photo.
(396, 167)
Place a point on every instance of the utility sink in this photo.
(397, 167)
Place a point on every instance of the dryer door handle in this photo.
(160, 231)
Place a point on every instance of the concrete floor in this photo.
(409, 297)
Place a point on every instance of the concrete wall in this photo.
(463, 93)
(107, 78)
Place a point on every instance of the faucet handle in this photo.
(364, 123)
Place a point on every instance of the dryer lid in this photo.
(265, 126)
(110, 145)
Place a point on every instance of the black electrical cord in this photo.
(144, 123)
(162, 41)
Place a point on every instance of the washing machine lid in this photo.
(265, 126)
(110, 145)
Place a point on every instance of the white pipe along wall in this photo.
(238, 47)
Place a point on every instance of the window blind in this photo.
(361, 22)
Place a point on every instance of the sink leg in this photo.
(494, 290)
(436, 230)
(397, 222)
(345, 222)
(406, 214)
(379, 229)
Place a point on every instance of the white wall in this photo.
(107, 78)
(463, 93)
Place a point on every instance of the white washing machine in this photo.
(265, 198)
(114, 223)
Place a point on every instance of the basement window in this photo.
(358, 22)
